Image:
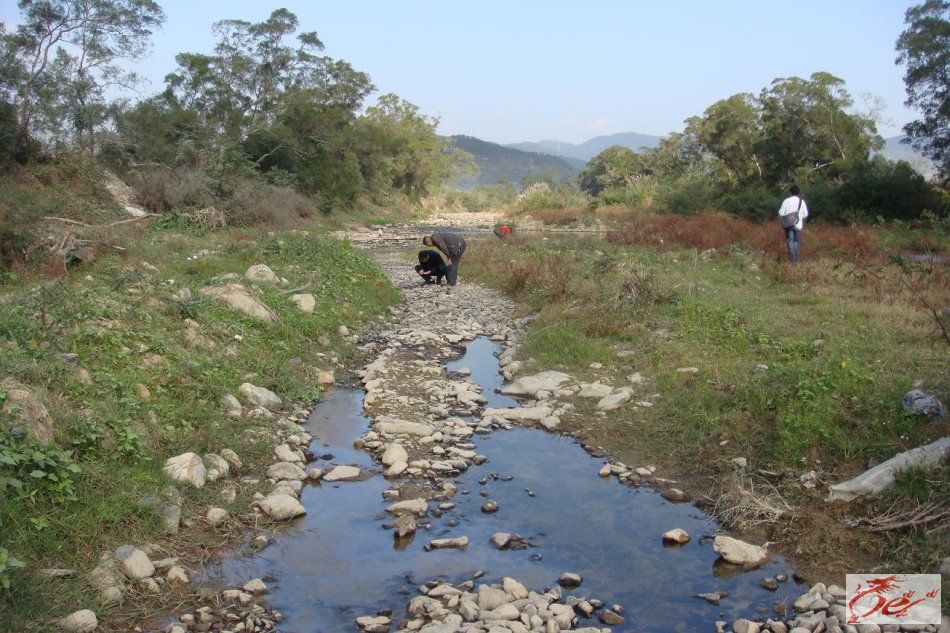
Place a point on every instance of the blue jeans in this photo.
(792, 237)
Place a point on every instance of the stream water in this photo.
(338, 562)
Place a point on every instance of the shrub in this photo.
(541, 196)
(161, 189)
(254, 203)
(687, 195)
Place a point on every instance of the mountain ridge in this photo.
(497, 162)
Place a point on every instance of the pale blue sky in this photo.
(532, 70)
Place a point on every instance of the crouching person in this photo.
(431, 267)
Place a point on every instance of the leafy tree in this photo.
(730, 130)
(616, 167)
(805, 124)
(925, 47)
(65, 52)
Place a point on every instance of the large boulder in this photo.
(264, 398)
(186, 468)
(739, 552)
(281, 507)
(27, 411)
(529, 386)
(237, 296)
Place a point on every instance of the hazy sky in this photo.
(533, 70)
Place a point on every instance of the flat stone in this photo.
(281, 507)
(449, 543)
(410, 506)
(342, 473)
(738, 552)
(286, 470)
(393, 454)
(528, 386)
(261, 397)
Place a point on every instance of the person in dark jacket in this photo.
(453, 245)
(431, 265)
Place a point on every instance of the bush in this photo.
(541, 196)
(255, 203)
(753, 202)
(161, 189)
(687, 195)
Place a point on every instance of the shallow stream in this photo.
(338, 562)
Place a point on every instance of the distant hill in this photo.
(497, 162)
(590, 148)
(896, 149)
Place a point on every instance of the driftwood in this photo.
(900, 518)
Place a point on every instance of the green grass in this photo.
(840, 352)
(115, 314)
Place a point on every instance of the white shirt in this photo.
(790, 205)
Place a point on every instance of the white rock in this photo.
(82, 621)
(676, 535)
(534, 414)
(501, 539)
(284, 453)
(391, 426)
(551, 423)
(305, 302)
(216, 516)
(232, 457)
(528, 386)
(393, 454)
(373, 624)
(325, 377)
(177, 575)
(490, 598)
(286, 470)
(134, 563)
(281, 507)
(396, 469)
(342, 473)
(232, 406)
(410, 506)
(514, 588)
(615, 400)
(449, 543)
(264, 398)
(186, 468)
(255, 586)
(261, 272)
(594, 390)
(738, 552)
(216, 466)
(237, 296)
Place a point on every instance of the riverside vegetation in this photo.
(797, 371)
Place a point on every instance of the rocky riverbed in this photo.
(419, 451)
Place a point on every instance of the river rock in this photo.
(82, 621)
(216, 466)
(306, 302)
(133, 562)
(281, 507)
(738, 552)
(286, 470)
(405, 525)
(490, 598)
(449, 543)
(501, 540)
(594, 390)
(396, 469)
(216, 516)
(410, 506)
(28, 412)
(611, 618)
(373, 624)
(255, 586)
(570, 580)
(528, 386)
(232, 406)
(676, 535)
(262, 272)
(395, 427)
(232, 457)
(615, 400)
(264, 398)
(519, 414)
(490, 507)
(514, 588)
(393, 454)
(237, 297)
(284, 453)
(551, 423)
(177, 575)
(186, 468)
(325, 377)
(342, 473)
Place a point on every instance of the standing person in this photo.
(792, 213)
(453, 245)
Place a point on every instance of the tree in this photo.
(66, 52)
(616, 167)
(731, 131)
(925, 47)
(805, 123)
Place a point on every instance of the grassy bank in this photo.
(144, 385)
(795, 369)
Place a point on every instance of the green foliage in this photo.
(32, 469)
(8, 565)
(924, 47)
(615, 168)
(541, 196)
